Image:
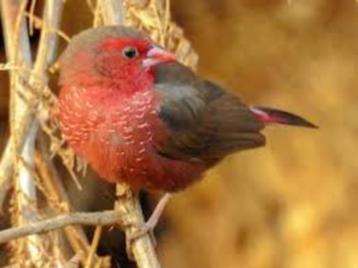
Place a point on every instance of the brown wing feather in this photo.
(206, 123)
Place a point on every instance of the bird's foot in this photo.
(140, 231)
(148, 226)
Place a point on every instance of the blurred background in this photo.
(292, 203)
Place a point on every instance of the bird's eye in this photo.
(130, 53)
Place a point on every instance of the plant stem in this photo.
(110, 217)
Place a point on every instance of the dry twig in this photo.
(94, 245)
(18, 52)
(111, 217)
(59, 200)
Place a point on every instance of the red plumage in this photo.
(118, 142)
(137, 116)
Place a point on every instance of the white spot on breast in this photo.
(141, 150)
(127, 108)
(140, 116)
(143, 125)
(127, 129)
(139, 159)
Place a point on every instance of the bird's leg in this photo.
(152, 221)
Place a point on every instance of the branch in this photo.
(110, 217)
(142, 248)
(23, 126)
(58, 199)
(6, 171)
(18, 52)
(112, 11)
(47, 51)
(95, 241)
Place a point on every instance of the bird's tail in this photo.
(273, 116)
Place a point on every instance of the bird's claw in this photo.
(148, 227)
(140, 231)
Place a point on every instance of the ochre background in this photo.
(293, 203)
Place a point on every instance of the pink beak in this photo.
(157, 55)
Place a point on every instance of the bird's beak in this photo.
(157, 55)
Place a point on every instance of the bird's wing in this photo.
(205, 122)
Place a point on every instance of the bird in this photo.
(140, 117)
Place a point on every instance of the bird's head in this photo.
(115, 55)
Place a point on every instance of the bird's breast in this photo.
(113, 133)
(118, 137)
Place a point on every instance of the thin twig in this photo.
(47, 51)
(6, 171)
(38, 24)
(113, 12)
(94, 245)
(74, 262)
(110, 217)
(23, 127)
(31, 17)
(18, 52)
(56, 190)
(142, 248)
(46, 55)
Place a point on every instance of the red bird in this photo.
(140, 117)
